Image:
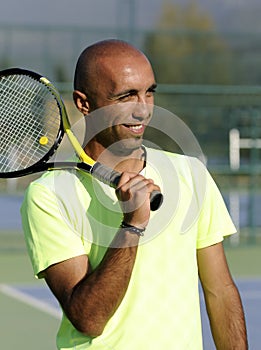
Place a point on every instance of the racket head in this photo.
(31, 123)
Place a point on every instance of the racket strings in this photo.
(25, 128)
(29, 121)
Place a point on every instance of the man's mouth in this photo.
(137, 129)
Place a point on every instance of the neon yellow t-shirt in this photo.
(66, 214)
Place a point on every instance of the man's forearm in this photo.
(95, 299)
(227, 320)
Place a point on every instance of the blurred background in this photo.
(207, 59)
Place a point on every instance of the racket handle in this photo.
(112, 178)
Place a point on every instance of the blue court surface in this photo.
(250, 289)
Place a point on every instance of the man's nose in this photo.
(142, 110)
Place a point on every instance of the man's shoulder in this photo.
(50, 179)
(177, 159)
(62, 184)
(61, 187)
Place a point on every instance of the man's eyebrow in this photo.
(153, 87)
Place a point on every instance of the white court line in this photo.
(28, 299)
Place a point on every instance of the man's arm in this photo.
(222, 299)
(90, 298)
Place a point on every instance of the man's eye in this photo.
(127, 96)
(124, 97)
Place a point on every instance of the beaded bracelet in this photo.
(132, 229)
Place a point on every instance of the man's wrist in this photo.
(133, 229)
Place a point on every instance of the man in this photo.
(127, 278)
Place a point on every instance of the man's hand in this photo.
(134, 192)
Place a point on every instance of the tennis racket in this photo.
(33, 121)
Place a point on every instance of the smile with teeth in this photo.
(135, 128)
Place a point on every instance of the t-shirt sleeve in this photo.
(214, 220)
(49, 236)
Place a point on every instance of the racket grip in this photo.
(112, 178)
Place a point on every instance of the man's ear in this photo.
(81, 102)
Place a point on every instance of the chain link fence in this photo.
(210, 109)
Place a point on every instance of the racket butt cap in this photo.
(156, 199)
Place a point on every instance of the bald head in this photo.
(96, 58)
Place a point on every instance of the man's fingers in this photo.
(132, 183)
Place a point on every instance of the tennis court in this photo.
(30, 315)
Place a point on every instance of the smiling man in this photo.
(126, 278)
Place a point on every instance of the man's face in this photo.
(123, 102)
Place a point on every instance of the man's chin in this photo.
(125, 147)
